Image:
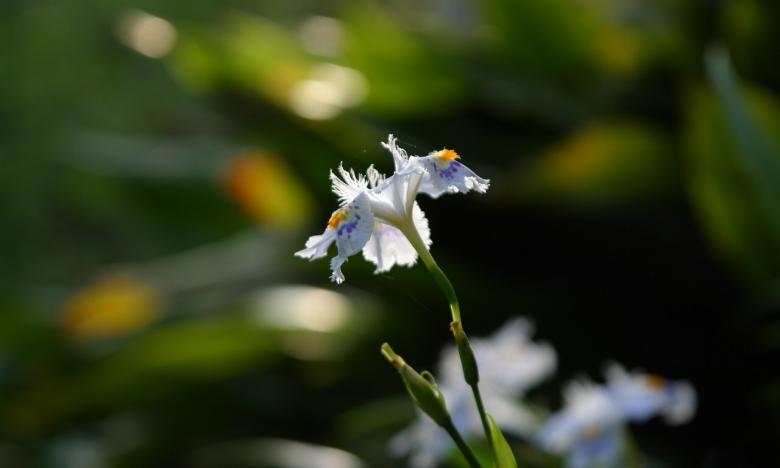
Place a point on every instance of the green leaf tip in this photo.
(388, 352)
(502, 452)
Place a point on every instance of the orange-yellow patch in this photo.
(336, 218)
(592, 432)
(447, 155)
(113, 306)
(655, 382)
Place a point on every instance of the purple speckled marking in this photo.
(449, 172)
(348, 227)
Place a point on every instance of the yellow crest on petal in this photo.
(447, 155)
(336, 218)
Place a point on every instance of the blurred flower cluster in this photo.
(589, 431)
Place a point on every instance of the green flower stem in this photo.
(438, 275)
(466, 354)
(482, 413)
(464, 448)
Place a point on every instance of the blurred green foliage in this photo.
(184, 147)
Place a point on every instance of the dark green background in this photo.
(633, 215)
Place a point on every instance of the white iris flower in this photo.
(590, 428)
(509, 363)
(379, 215)
(641, 396)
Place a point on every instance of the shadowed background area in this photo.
(160, 162)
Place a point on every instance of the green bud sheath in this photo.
(467, 358)
(423, 391)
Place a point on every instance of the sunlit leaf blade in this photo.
(759, 154)
(277, 453)
(605, 163)
(404, 77)
(502, 452)
(732, 167)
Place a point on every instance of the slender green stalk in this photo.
(438, 275)
(464, 448)
(482, 413)
(468, 363)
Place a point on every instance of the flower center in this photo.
(655, 382)
(336, 218)
(592, 432)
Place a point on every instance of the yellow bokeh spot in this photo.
(113, 306)
(618, 51)
(266, 190)
(447, 155)
(581, 156)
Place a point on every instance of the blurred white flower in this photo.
(589, 429)
(641, 396)
(510, 363)
(379, 215)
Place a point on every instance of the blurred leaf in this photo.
(248, 255)
(306, 323)
(604, 163)
(408, 75)
(759, 153)
(553, 39)
(502, 452)
(147, 368)
(161, 157)
(248, 51)
(735, 171)
(376, 417)
(274, 453)
(747, 27)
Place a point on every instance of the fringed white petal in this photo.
(352, 233)
(335, 266)
(421, 223)
(449, 176)
(400, 158)
(350, 227)
(347, 185)
(374, 177)
(388, 246)
(317, 246)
